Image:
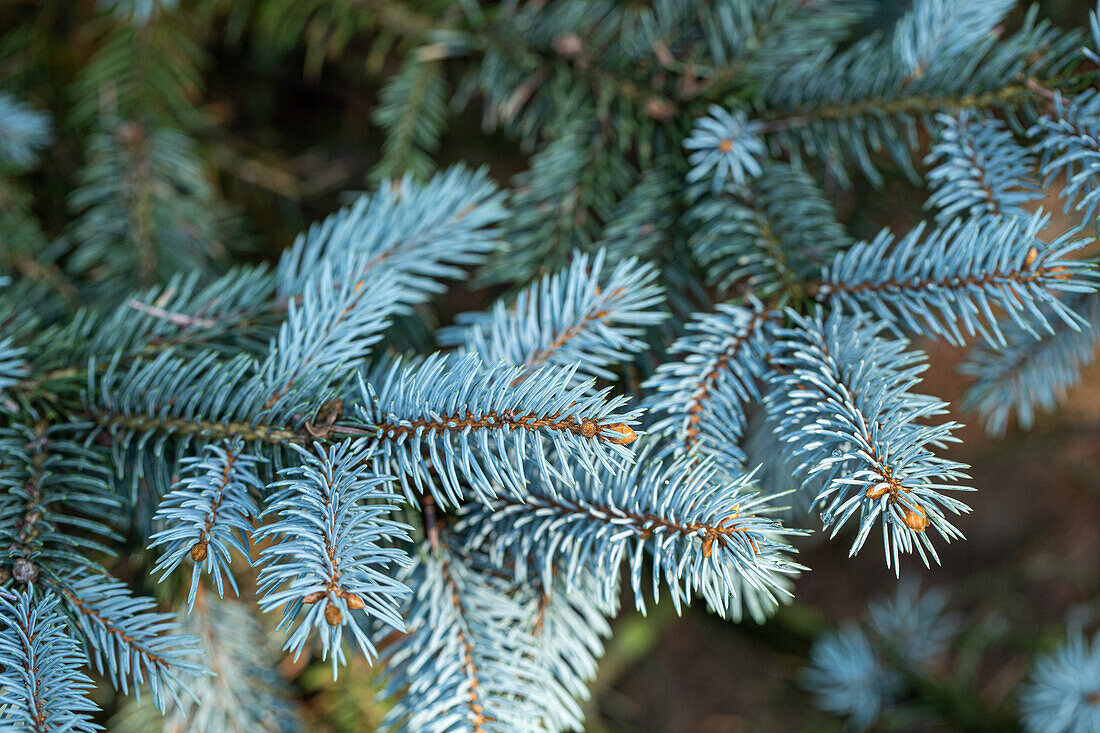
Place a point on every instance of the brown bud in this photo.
(326, 417)
(333, 615)
(626, 436)
(334, 408)
(1032, 255)
(198, 551)
(725, 145)
(659, 109)
(915, 519)
(355, 602)
(24, 571)
(314, 596)
(876, 491)
(588, 428)
(568, 45)
(130, 134)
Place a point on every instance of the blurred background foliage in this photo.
(266, 112)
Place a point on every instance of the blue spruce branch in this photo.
(331, 553)
(469, 660)
(126, 640)
(583, 316)
(699, 400)
(1029, 374)
(705, 534)
(1068, 141)
(482, 426)
(979, 169)
(843, 404)
(772, 234)
(1060, 695)
(244, 692)
(209, 514)
(948, 283)
(55, 502)
(41, 685)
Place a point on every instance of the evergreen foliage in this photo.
(243, 694)
(40, 678)
(24, 132)
(844, 405)
(331, 543)
(1061, 695)
(685, 340)
(849, 678)
(910, 661)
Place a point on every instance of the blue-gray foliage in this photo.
(126, 640)
(845, 406)
(863, 671)
(772, 234)
(911, 653)
(469, 518)
(42, 686)
(245, 691)
(209, 514)
(699, 399)
(979, 169)
(703, 534)
(1028, 374)
(726, 146)
(1060, 695)
(423, 233)
(913, 625)
(580, 316)
(470, 660)
(331, 551)
(849, 678)
(481, 424)
(24, 131)
(949, 283)
(1067, 142)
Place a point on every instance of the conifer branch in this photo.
(479, 422)
(41, 686)
(980, 169)
(54, 511)
(125, 639)
(244, 691)
(844, 406)
(469, 660)
(686, 154)
(700, 399)
(583, 314)
(705, 533)
(1028, 373)
(469, 666)
(331, 549)
(208, 514)
(947, 282)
